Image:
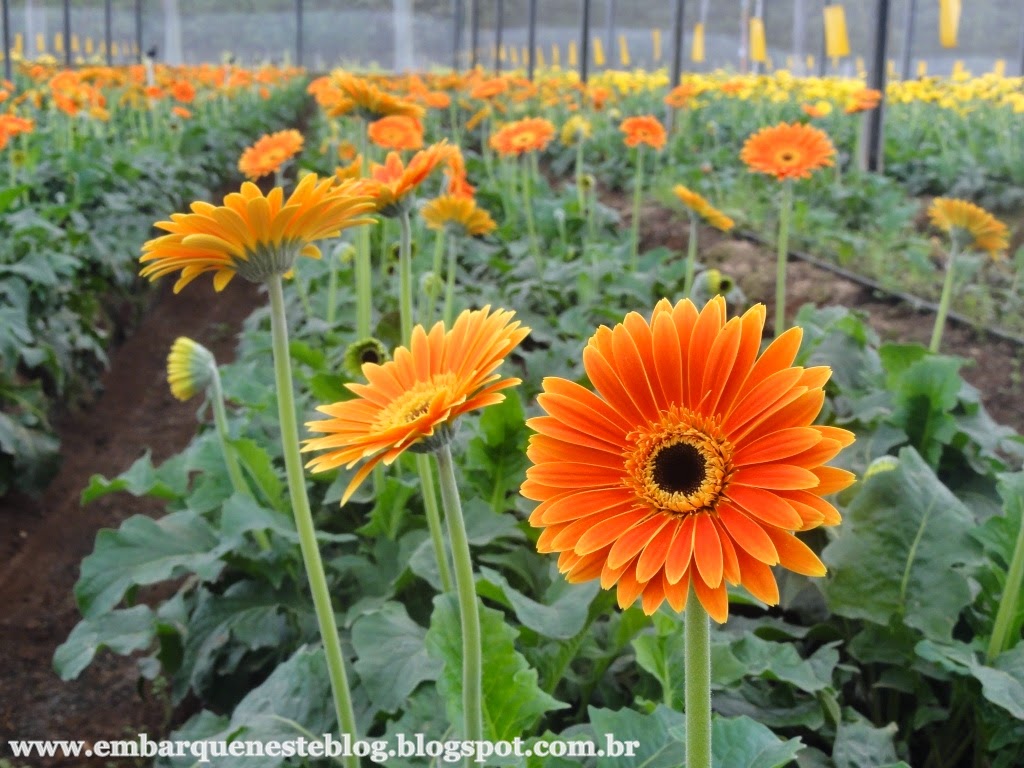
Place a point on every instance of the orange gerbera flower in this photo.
(269, 153)
(396, 132)
(252, 235)
(643, 130)
(370, 101)
(699, 205)
(863, 100)
(788, 151)
(974, 227)
(458, 214)
(487, 89)
(691, 465)
(527, 135)
(394, 183)
(412, 400)
(682, 95)
(183, 91)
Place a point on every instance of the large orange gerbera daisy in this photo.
(396, 132)
(692, 463)
(975, 228)
(269, 153)
(643, 130)
(253, 235)
(788, 151)
(394, 182)
(418, 395)
(530, 134)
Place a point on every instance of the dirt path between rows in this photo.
(44, 539)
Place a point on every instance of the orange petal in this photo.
(608, 531)
(653, 596)
(668, 359)
(758, 579)
(747, 534)
(778, 477)
(680, 551)
(715, 601)
(633, 541)
(677, 593)
(628, 589)
(795, 555)
(707, 550)
(833, 479)
(574, 505)
(777, 445)
(764, 505)
(652, 558)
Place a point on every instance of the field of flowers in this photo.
(504, 453)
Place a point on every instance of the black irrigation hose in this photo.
(915, 302)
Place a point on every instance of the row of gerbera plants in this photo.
(88, 157)
(670, 457)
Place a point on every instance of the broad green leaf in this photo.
(141, 479)
(390, 509)
(512, 700)
(903, 542)
(781, 661)
(144, 551)
(562, 614)
(657, 740)
(123, 632)
(260, 468)
(495, 459)
(391, 658)
(744, 743)
(861, 745)
(1002, 683)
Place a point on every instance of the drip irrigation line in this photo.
(916, 302)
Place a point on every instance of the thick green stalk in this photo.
(785, 211)
(304, 518)
(422, 464)
(697, 691)
(947, 297)
(472, 653)
(363, 269)
(332, 285)
(449, 285)
(531, 223)
(638, 187)
(1010, 600)
(691, 254)
(580, 194)
(427, 313)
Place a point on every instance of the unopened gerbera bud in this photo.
(587, 181)
(431, 284)
(190, 368)
(358, 353)
(345, 253)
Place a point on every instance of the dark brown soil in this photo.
(47, 537)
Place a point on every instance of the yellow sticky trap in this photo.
(19, 42)
(114, 51)
(540, 57)
(89, 46)
(623, 51)
(697, 47)
(999, 68)
(837, 42)
(890, 69)
(656, 44)
(510, 54)
(571, 53)
(949, 22)
(556, 55)
(810, 62)
(40, 42)
(922, 67)
(758, 45)
(598, 52)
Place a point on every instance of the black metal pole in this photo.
(108, 29)
(531, 38)
(908, 39)
(677, 43)
(609, 29)
(584, 40)
(876, 79)
(7, 39)
(474, 35)
(67, 33)
(823, 53)
(138, 29)
(299, 42)
(456, 32)
(499, 24)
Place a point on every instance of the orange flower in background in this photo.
(976, 228)
(488, 89)
(367, 99)
(692, 462)
(458, 181)
(182, 112)
(817, 109)
(699, 205)
(396, 132)
(599, 96)
(643, 130)
(269, 153)
(417, 396)
(183, 91)
(530, 134)
(393, 182)
(253, 235)
(788, 151)
(682, 95)
(459, 215)
(863, 100)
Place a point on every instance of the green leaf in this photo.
(391, 658)
(123, 632)
(780, 661)
(860, 745)
(903, 542)
(144, 551)
(141, 479)
(658, 739)
(495, 459)
(744, 743)
(259, 466)
(512, 700)
(390, 509)
(562, 614)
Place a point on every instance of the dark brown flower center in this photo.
(679, 468)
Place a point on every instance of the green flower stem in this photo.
(363, 269)
(422, 464)
(449, 285)
(698, 683)
(785, 211)
(427, 313)
(1008, 603)
(638, 187)
(580, 194)
(304, 518)
(947, 297)
(332, 285)
(691, 253)
(472, 653)
(531, 223)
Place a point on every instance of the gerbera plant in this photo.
(260, 237)
(690, 465)
(640, 131)
(270, 154)
(412, 403)
(969, 228)
(786, 152)
(699, 208)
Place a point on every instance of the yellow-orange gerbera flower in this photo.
(269, 153)
(976, 228)
(788, 151)
(699, 205)
(863, 100)
(530, 134)
(367, 99)
(459, 215)
(643, 130)
(396, 132)
(253, 235)
(393, 182)
(819, 108)
(414, 398)
(692, 462)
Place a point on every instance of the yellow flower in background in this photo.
(458, 215)
(973, 227)
(575, 129)
(699, 205)
(189, 368)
